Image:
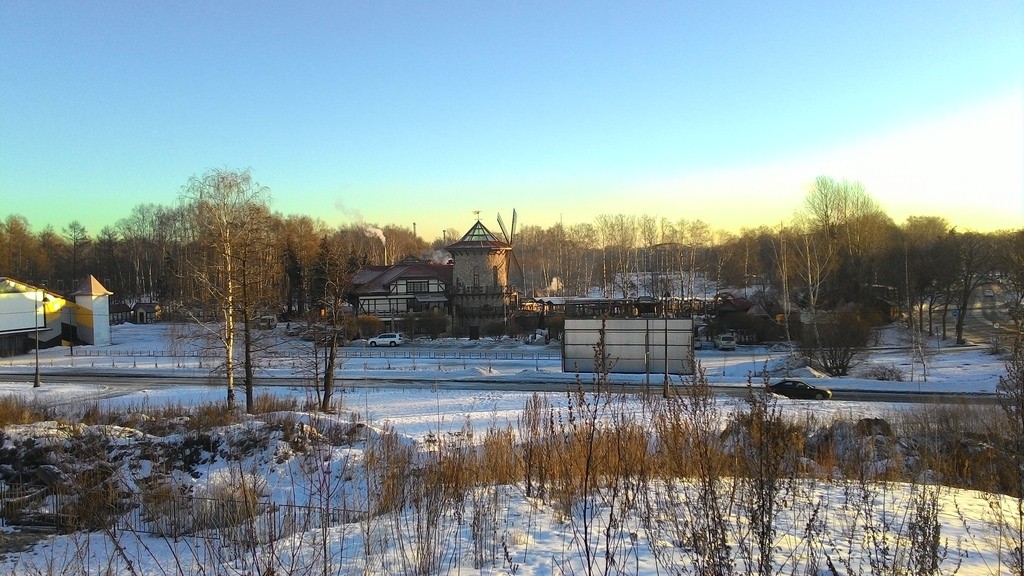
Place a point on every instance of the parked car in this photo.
(319, 334)
(725, 342)
(388, 339)
(800, 390)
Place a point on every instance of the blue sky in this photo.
(395, 113)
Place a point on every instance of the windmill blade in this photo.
(512, 232)
(521, 280)
(504, 231)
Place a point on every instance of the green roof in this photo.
(479, 237)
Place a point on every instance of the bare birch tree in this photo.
(222, 209)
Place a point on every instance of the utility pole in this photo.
(35, 317)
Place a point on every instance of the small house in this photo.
(146, 312)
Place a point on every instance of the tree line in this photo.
(838, 249)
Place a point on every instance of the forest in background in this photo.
(839, 248)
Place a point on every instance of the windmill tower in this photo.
(482, 293)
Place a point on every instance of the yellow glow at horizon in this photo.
(967, 167)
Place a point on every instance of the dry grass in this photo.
(15, 410)
(956, 443)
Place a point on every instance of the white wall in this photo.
(20, 311)
(631, 345)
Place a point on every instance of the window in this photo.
(416, 286)
(476, 276)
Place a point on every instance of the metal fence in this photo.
(231, 522)
(344, 352)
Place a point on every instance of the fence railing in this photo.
(344, 352)
(227, 520)
(231, 522)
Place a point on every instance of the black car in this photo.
(799, 390)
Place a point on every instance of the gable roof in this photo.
(376, 279)
(11, 286)
(479, 238)
(91, 287)
(735, 305)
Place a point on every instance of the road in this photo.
(988, 317)
(117, 385)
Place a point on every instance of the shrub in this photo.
(833, 344)
(885, 373)
(267, 403)
(210, 416)
(369, 325)
(494, 330)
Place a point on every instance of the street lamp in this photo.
(664, 318)
(35, 317)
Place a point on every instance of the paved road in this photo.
(116, 385)
(987, 316)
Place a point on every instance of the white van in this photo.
(725, 342)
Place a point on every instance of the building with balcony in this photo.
(485, 287)
(408, 288)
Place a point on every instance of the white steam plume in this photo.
(372, 232)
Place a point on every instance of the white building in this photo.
(31, 314)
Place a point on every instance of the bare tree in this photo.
(148, 235)
(781, 254)
(837, 340)
(108, 256)
(336, 263)
(20, 254)
(649, 235)
(826, 205)
(1009, 259)
(298, 241)
(222, 208)
(579, 276)
(924, 271)
(845, 216)
(973, 262)
(78, 239)
(814, 262)
(52, 248)
(618, 236)
(1010, 392)
(258, 280)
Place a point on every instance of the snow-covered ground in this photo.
(461, 378)
(141, 349)
(526, 535)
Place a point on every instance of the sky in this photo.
(423, 114)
